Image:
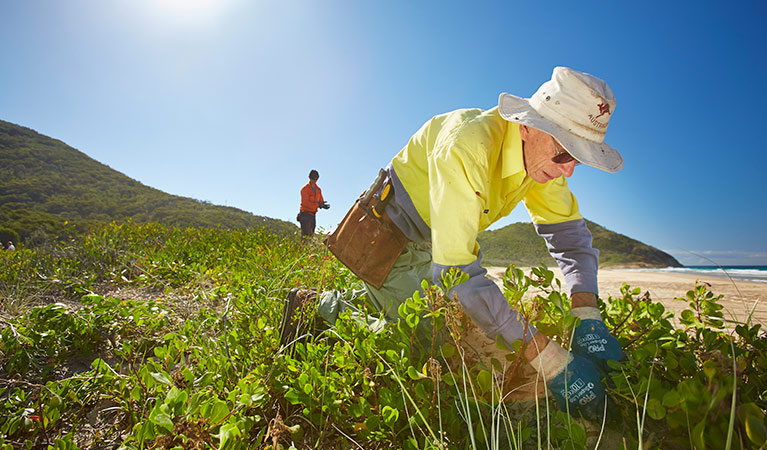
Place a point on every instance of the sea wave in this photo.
(757, 274)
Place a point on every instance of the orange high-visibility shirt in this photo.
(311, 197)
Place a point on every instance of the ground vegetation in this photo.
(146, 336)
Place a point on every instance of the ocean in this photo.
(744, 273)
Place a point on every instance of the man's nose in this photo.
(568, 169)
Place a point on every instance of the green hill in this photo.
(48, 188)
(519, 244)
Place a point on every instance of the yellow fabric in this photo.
(464, 170)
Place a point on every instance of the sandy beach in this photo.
(740, 297)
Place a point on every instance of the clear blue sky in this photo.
(234, 101)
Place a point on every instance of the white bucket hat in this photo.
(575, 108)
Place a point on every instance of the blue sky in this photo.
(234, 101)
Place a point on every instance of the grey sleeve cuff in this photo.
(570, 245)
(485, 305)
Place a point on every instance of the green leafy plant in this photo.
(143, 336)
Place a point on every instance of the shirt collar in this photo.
(513, 160)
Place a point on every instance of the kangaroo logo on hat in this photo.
(603, 108)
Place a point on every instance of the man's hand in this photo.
(573, 380)
(324, 205)
(593, 340)
(578, 388)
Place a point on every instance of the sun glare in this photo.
(192, 10)
(189, 6)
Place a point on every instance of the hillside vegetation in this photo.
(519, 244)
(142, 336)
(48, 188)
(51, 190)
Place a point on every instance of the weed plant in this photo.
(149, 337)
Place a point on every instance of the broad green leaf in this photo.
(372, 423)
(687, 363)
(500, 343)
(671, 361)
(203, 380)
(698, 435)
(484, 381)
(448, 350)
(577, 432)
(671, 398)
(716, 323)
(755, 430)
(172, 396)
(449, 378)
(193, 404)
(390, 415)
(135, 393)
(160, 416)
(162, 378)
(655, 409)
(414, 374)
(228, 435)
(217, 411)
(245, 400)
(556, 299)
(293, 397)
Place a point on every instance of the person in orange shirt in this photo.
(311, 200)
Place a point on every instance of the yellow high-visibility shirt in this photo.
(464, 170)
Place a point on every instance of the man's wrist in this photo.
(587, 313)
(584, 299)
(535, 346)
(551, 361)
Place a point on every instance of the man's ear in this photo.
(524, 132)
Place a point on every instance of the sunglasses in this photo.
(562, 157)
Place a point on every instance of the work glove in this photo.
(573, 380)
(324, 205)
(593, 340)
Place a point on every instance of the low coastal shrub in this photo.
(144, 336)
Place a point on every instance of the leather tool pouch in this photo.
(367, 241)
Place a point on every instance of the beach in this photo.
(740, 297)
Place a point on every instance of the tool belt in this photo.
(367, 241)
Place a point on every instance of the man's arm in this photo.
(485, 304)
(557, 218)
(320, 199)
(569, 243)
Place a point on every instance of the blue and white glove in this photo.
(573, 380)
(593, 340)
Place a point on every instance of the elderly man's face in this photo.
(538, 150)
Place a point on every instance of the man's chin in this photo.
(540, 178)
